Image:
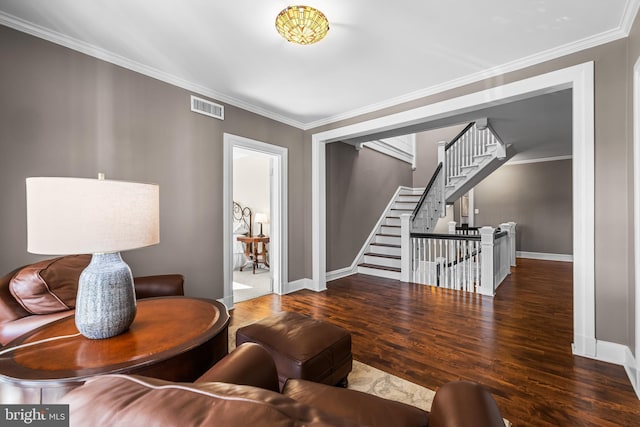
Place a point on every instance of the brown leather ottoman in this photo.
(302, 347)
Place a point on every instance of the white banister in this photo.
(452, 227)
(405, 247)
(486, 263)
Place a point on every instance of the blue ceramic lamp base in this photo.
(106, 300)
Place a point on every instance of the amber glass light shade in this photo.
(302, 24)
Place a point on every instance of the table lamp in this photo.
(68, 216)
(261, 218)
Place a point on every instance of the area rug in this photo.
(367, 379)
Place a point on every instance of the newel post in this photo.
(452, 227)
(513, 243)
(486, 268)
(441, 146)
(405, 247)
(510, 228)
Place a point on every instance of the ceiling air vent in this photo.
(208, 108)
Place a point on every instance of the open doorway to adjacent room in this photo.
(255, 218)
(251, 220)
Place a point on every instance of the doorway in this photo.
(580, 78)
(254, 219)
(251, 275)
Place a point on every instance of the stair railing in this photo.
(476, 263)
(473, 142)
(430, 207)
(455, 159)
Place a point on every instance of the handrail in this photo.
(426, 191)
(454, 140)
(446, 236)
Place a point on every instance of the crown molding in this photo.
(629, 16)
(531, 60)
(105, 55)
(631, 10)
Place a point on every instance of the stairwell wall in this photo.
(538, 197)
(427, 151)
(359, 187)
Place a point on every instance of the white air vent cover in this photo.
(208, 108)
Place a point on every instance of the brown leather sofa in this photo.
(39, 293)
(242, 390)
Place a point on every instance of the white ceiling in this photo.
(377, 52)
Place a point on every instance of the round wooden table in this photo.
(172, 338)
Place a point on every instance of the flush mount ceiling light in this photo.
(302, 24)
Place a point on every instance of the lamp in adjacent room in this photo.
(302, 24)
(68, 216)
(261, 218)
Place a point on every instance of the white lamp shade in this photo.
(262, 218)
(81, 215)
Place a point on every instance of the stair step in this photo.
(382, 260)
(386, 245)
(387, 274)
(384, 249)
(382, 255)
(393, 239)
(390, 230)
(379, 267)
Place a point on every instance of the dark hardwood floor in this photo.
(517, 344)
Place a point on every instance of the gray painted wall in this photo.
(63, 113)
(359, 187)
(427, 152)
(537, 196)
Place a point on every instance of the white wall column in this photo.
(510, 228)
(486, 259)
(405, 248)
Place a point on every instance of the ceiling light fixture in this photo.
(302, 24)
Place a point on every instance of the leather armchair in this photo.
(242, 389)
(16, 320)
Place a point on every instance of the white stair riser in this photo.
(384, 250)
(385, 262)
(399, 212)
(389, 230)
(388, 239)
(412, 199)
(405, 206)
(392, 221)
(379, 273)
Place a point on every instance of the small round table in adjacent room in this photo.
(172, 338)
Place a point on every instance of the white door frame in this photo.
(278, 244)
(635, 374)
(580, 78)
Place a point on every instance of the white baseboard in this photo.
(545, 256)
(618, 354)
(297, 285)
(343, 272)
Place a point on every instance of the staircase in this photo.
(468, 159)
(382, 257)
(465, 161)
